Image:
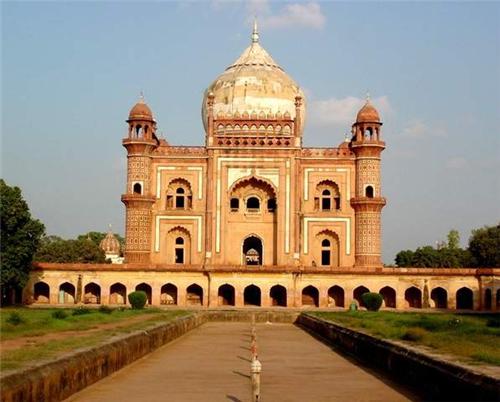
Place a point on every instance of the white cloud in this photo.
(419, 129)
(456, 163)
(342, 112)
(292, 15)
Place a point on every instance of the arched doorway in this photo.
(358, 292)
(487, 299)
(440, 297)
(117, 294)
(194, 295)
(144, 287)
(226, 295)
(336, 297)
(278, 295)
(92, 293)
(389, 296)
(66, 293)
(310, 296)
(41, 293)
(252, 251)
(413, 297)
(168, 294)
(465, 299)
(252, 296)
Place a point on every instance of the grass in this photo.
(37, 322)
(470, 337)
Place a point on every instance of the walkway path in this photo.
(212, 363)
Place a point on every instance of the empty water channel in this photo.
(212, 363)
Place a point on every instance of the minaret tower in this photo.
(368, 202)
(139, 197)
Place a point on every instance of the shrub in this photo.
(15, 318)
(137, 299)
(81, 311)
(414, 334)
(105, 310)
(372, 301)
(493, 323)
(59, 314)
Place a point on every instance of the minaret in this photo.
(139, 196)
(368, 202)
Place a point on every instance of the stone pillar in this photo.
(238, 297)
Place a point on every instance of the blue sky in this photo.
(72, 70)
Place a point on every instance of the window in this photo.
(137, 188)
(179, 195)
(179, 198)
(271, 204)
(326, 202)
(327, 196)
(179, 250)
(369, 191)
(253, 204)
(234, 204)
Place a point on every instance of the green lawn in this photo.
(39, 322)
(470, 337)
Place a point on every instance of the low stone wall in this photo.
(58, 380)
(433, 378)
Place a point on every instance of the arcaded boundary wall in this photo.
(433, 378)
(58, 380)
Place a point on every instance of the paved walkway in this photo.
(212, 363)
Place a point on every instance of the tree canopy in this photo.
(20, 235)
(483, 251)
(81, 250)
(484, 246)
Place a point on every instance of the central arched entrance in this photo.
(252, 251)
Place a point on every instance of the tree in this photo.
(69, 251)
(484, 246)
(20, 235)
(404, 258)
(426, 257)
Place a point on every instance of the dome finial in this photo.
(255, 33)
(141, 97)
(367, 96)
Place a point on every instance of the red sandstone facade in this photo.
(253, 217)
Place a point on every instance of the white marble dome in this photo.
(254, 84)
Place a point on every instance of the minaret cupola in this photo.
(142, 124)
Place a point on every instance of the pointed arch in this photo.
(413, 297)
(41, 293)
(389, 296)
(67, 293)
(194, 295)
(92, 293)
(277, 294)
(117, 293)
(336, 297)
(146, 288)
(168, 294)
(310, 296)
(439, 297)
(252, 296)
(226, 295)
(465, 299)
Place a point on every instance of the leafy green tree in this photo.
(425, 257)
(70, 251)
(404, 258)
(20, 236)
(484, 246)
